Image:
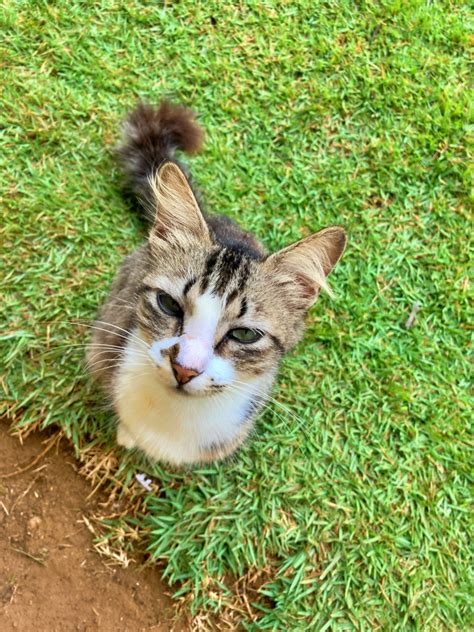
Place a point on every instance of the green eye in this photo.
(245, 335)
(168, 305)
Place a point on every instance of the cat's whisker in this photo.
(101, 365)
(114, 365)
(98, 349)
(93, 346)
(266, 395)
(83, 345)
(299, 426)
(137, 355)
(251, 391)
(279, 415)
(108, 331)
(268, 399)
(96, 358)
(96, 365)
(129, 334)
(118, 353)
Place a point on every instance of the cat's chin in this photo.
(181, 391)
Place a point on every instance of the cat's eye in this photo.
(168, 305)
(245, 335)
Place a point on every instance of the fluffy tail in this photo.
(151, 135)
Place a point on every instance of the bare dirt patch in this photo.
(50, 576)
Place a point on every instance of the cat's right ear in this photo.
(305, 265)
(177, 210)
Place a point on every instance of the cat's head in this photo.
(215, 316)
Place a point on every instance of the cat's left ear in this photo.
(177, 209)
(305, 265)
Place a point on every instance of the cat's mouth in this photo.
(183, 380)
(186, 390)
(183, 390)
(180, 389)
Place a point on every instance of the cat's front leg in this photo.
(124, 438)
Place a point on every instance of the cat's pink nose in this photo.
(182, 374)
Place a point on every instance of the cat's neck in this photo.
(179, 428)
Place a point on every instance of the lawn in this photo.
(350, 508)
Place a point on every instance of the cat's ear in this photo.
(177, 209)
(305, 265)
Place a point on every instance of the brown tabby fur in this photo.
(199, 255)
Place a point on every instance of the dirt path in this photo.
(51, 579)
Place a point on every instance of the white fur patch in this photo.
(169, 425)
(197, 344)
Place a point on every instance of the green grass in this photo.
(317, 113)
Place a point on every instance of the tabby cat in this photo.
(189, 340)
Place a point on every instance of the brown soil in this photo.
(51, 579)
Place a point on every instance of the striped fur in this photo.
(219, 278)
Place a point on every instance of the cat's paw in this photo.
(124, 438)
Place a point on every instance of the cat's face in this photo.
(232, 322)
(216, 318)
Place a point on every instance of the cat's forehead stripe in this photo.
(231, 297)
(243, 308)
(244, 274)
(209, 268)
(189, 285)
(221, 268)
(227, 267)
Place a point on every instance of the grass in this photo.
(352, 512)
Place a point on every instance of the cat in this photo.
(188, 342)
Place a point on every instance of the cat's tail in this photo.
(152, 135)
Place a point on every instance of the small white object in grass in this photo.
(411, 318)
(144, 482)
